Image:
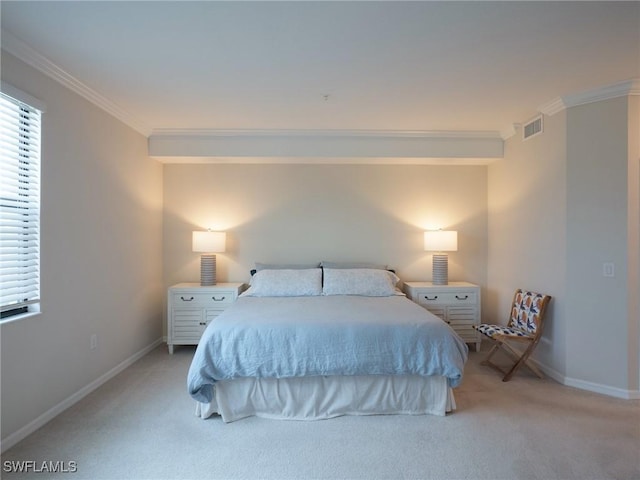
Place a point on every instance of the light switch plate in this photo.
(608, 269)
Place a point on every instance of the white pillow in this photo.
(359, 281)
(285, 266)
(286, 283)
(376, 266)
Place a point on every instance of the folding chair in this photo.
(524, 328)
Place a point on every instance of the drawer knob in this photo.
(218, 299)
(203, 323)
(190, 299)
(462, 297)
(427, 297)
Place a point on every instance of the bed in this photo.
(312, 343)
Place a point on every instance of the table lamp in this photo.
(440, 241)
(208, 243)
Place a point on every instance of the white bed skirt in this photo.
(317, 398)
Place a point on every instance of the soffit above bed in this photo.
(326, 147)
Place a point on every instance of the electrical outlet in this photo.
(93, 342)
(608, 269)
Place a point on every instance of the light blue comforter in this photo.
(324, 335)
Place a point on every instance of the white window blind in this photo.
(19, 207)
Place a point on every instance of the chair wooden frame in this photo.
(520, 336)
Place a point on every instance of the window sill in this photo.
(21, 316)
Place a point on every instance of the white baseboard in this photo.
(589, 386)
(603, 389)
(11, 440)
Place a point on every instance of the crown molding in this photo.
(259, 160)
(281, 133)
(509, 131)
(620, 89)
(552, 107)
(16, 47)
(606, 92)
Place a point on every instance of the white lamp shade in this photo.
(441, 241)
(209, 242)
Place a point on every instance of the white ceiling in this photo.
(398, 66)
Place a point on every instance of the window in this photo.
(19, 207)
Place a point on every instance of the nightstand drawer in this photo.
(203, 299)
(460, 298)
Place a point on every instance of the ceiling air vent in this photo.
(532, 128)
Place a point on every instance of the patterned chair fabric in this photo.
(525, 312)
(491, 330)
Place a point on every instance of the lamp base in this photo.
(440, 269)
(207, 270)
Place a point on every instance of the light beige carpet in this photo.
(140, 425)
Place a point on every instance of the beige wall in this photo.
(597, 232)
(309, 213)
(527, 230)
(101, 254)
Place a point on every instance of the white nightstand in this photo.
(457, 303)
(191, 307)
